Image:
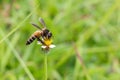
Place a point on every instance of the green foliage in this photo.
(86, 35)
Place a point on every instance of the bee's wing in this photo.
(36, 26)
(42, 22)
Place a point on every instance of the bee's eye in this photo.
(49, 35)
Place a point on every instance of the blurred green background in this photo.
(86, 34)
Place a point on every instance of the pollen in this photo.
(48, 42)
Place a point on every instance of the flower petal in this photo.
(38, 42)
(52, 46)
(44, 47)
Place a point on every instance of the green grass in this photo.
(86, 35)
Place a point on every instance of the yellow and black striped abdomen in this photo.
(30, 40)
(35, 35)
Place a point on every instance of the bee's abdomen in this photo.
(30, 40)
(35, 35)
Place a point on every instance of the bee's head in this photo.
(47, 34)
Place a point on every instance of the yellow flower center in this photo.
(48, 42)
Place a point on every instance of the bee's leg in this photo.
(40, 41)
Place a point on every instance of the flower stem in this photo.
(45, 66)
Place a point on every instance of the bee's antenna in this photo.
(36, 26)
(42, 22)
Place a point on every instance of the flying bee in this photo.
(42, 32)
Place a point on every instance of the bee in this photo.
(42, 32)
(43, 36)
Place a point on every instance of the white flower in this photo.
(46, 44)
